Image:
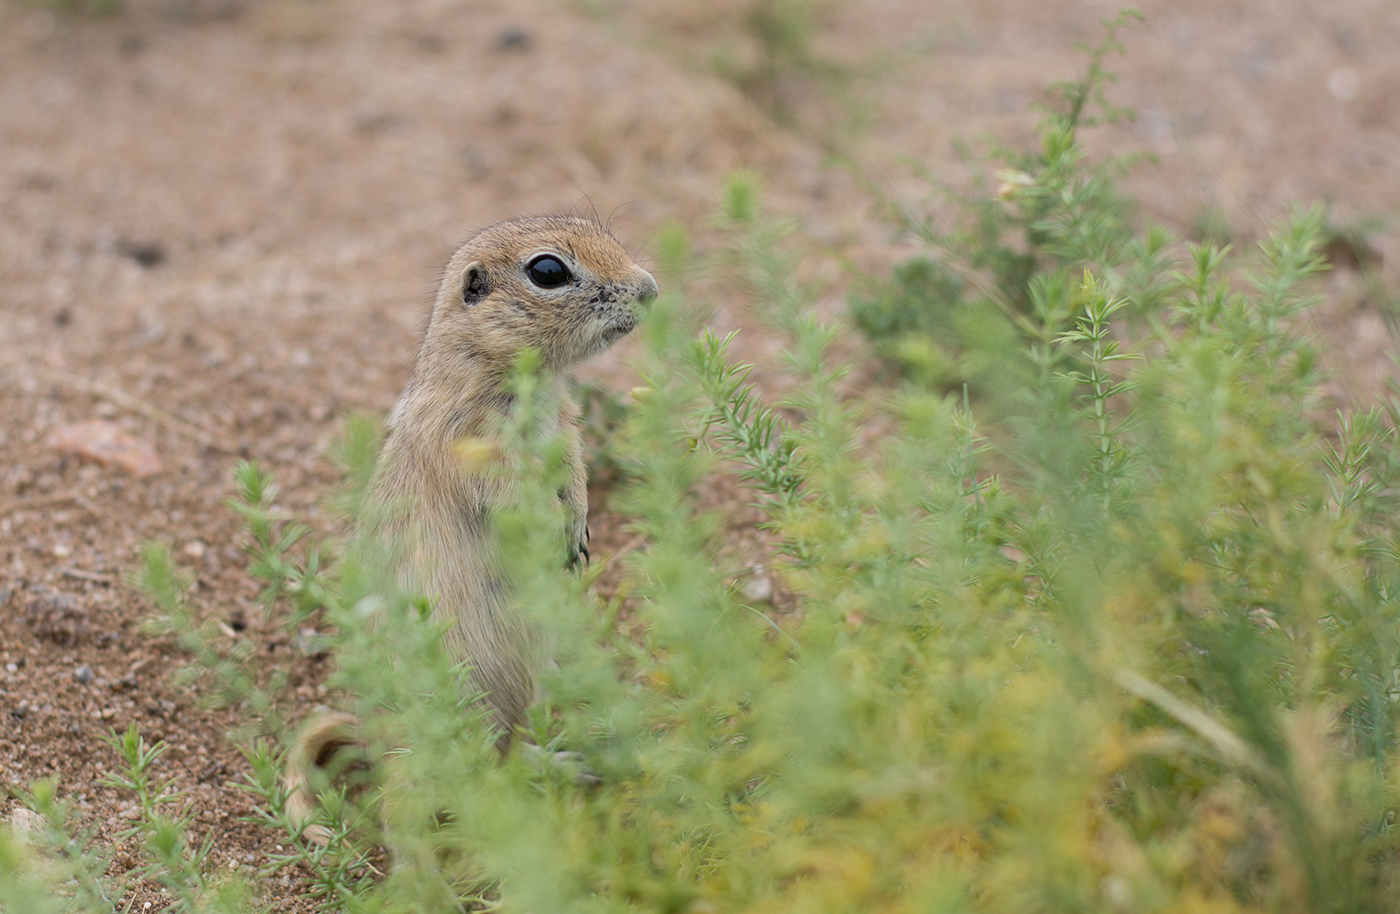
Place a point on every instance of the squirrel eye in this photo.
(547, 271)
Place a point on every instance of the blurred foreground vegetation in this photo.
(1092, 606)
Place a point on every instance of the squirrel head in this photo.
(560, 284)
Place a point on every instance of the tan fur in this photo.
(487, 310)
(316, 745)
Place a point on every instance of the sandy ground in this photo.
(220, 223)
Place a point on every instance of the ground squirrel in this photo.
(564, 286)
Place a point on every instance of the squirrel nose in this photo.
(646, 287)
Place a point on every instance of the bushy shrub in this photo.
(1054, 211)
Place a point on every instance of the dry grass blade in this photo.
(1222, 738)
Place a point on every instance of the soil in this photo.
(221, 221)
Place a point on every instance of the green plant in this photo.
(341, 871)
(182, 869)
(295, 589)
(48, 867)
(603, 413)
(1053, 212)
(1212, 226)
(1159, 515)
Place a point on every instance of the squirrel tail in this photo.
(312, 763)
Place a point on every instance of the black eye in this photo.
(547, 272)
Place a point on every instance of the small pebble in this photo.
(26, 822)
(1343, 83)
(310, 642)
(146, 253)
(514, 39)
(758, 589)
(106, 443)
(83, 674)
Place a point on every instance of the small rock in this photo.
(310, 642)
(83, 674)
(146, 253)
(195, 549)
(106, 443)
(150, 332)
(1343, 83)
(514, 39)
(758, 589)
(20, 710)
(25, 823)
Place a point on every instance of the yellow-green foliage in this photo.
(1130, 649)
(1054, 210)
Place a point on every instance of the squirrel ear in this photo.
(475, 286)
